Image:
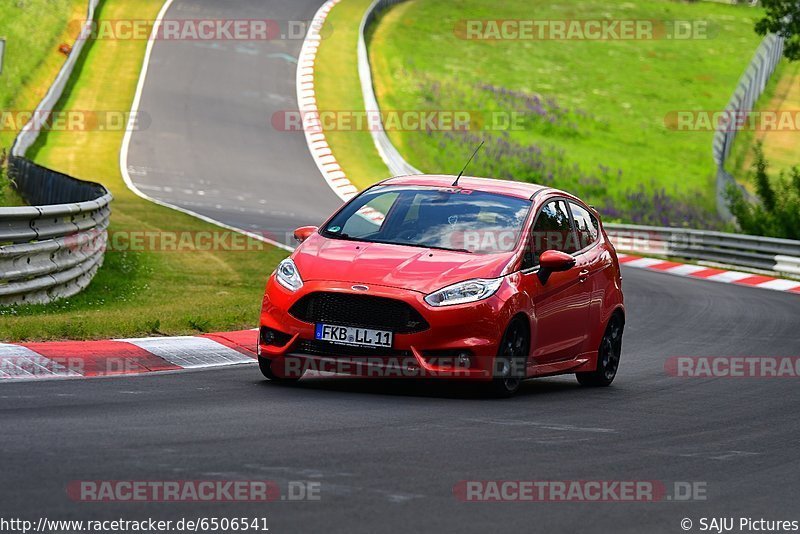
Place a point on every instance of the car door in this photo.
(595, 259)
(561, 304)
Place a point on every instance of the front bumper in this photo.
(474, 329)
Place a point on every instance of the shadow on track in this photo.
(445, 389)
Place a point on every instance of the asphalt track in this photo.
(211, 147)
(388, 454)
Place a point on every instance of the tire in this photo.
(512, 357)
(266, 369)
(608, 356)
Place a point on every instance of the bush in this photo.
(777, 212)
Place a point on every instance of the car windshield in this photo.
(442, 218)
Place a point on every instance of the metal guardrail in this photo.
(389, 153)
(52, 248)
(780, 256)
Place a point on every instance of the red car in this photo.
(476, 279)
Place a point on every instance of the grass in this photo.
(141, 292)
(781, 148)
(594, 112)
(33, 31)
(339, 89)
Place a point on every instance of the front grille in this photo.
(323, 348)
(365, 311)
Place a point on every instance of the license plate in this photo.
(350, 335)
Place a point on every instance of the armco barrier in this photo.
(50, 251)
(52, 248)
(390, 155)
(781, 256)
(775, 255)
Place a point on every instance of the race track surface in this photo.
(211, 147)
(388, 454)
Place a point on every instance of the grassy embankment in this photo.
(33, 32)
(596, 114)
(142, 292)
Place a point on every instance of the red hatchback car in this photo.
(421, 276)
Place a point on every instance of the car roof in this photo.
(489, 185)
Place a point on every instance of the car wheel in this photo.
(509, 366)
(607, 357)
(282, 375)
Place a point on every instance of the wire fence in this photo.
(750, 87)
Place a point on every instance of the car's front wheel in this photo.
(509, 366)
(279, 371)
(608, 356)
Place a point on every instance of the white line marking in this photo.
(126, 141)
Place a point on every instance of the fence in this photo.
(52, 248)
(780, 256)
(750, 87)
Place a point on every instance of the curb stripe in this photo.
(17, 361)
(710, 274)
(191, 352)
(92, 357)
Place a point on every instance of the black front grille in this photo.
(323, 348)
(365, 311)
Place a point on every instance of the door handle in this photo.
(583, 275)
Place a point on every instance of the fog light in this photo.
(464, 360)
(273, 337)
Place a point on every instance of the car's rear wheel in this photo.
(608, 356)
(509, 366)
(279, 372)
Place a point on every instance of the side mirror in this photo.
(304, 232)
(553, 261)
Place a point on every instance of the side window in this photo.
(586, 226)
(551, 231)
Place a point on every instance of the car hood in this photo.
(414, 268)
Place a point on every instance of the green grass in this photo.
(608, 140)
(781, 148)
(33, 31)
(339, 89)
(141, 292)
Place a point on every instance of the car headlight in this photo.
(288, 276)
(464, 292)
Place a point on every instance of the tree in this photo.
(777, 212)
(783, 18)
